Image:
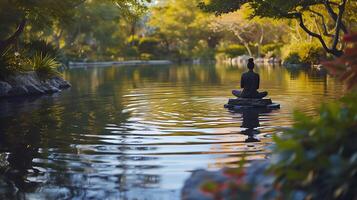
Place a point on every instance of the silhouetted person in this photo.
(250, 84)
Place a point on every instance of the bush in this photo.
(233, 50)
(44, 65)
(131, 52)
(133, 41)
(293, 58)
(35, 46)
(11, 62)
(148, 45)
(271, 49)
(309, 53)
(146, 56)
(317, 158)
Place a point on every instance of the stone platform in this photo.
(241, 103)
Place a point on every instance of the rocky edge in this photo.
(30, 83)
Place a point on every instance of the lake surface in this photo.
(137, 132)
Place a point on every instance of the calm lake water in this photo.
(137, 132)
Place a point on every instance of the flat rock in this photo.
(249, 102)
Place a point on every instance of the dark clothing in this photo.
(250, 84)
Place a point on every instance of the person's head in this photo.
(250, 64)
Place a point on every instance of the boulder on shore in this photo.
(26, 84)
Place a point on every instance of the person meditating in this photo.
(250, 84)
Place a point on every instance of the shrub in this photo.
(233, 50)
(148, 45)
(203, 52)
(293, 58)
(271, 49)
(133, 40)
(44, 65)
(131, 52)
(35, 46)
(146, 56)
(11, 62)
(318, 156)
(308, 52)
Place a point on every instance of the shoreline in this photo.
(118, 63)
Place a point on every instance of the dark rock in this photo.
(62, 84)
(49, 89)
(192, 187)
(246, 103)
(4, 88)
(249, 102)
(33, 89)
(30, 84)
(18, 91)
(260, 185)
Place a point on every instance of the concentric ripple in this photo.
(138, 132)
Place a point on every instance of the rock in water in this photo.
(240, 103)
(30, 84)
(249, 102)
(4, 88)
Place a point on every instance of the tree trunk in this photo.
(4, 44)
(333, 50)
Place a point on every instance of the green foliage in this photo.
(11, 63)
(131, 52)
(292, 58)
(318, 155)
(303, 52)
(44, 65)
(271, 49)
(148, 45)
(275, 9)
(133, 40)
(233, 50)
(301, 10)
(46, 48)
(146, 56)
(182, 27)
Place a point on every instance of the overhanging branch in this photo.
(333, 15)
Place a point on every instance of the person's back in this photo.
(250, 83)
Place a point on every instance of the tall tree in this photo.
(15, 15)
(183, 26)
(330, 39)
(250, 32)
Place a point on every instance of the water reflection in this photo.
(137, 132)
(250, 123)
